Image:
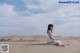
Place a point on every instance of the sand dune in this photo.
(37, 44)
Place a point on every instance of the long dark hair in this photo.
(49, 27)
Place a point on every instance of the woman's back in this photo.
(50, 34)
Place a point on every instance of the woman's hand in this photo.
(52, 38)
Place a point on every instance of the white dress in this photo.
(50, 41)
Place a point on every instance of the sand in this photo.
(37, 44)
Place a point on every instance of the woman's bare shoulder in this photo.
(49, 31)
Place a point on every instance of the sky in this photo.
(31, 17)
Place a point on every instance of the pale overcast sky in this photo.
(30, 17)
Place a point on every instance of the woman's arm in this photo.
(50, 35)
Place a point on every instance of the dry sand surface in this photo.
(37, 44)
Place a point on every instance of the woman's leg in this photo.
(54, 42)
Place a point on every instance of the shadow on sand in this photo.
(45, 44)
(38, 44)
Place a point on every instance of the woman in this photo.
(51, 39)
